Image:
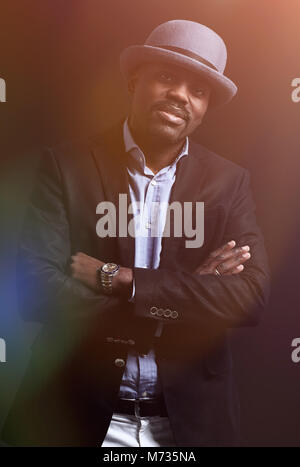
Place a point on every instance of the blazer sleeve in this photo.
(207, 300)
(45, 289)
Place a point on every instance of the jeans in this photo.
(132, 431)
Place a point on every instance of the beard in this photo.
(164, 133)
(150, 130)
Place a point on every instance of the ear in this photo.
(131, 84)
(132, 80)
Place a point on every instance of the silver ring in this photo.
(217, 272)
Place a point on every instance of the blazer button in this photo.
(119, 362)
(167, 313)
(160, 312)
(174, 314)
(153, 310)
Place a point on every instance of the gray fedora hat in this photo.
(190, 45)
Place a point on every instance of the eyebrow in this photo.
(193, 80)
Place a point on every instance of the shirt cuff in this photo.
(132, 298)
(159, 329)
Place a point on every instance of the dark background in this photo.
(60, 63)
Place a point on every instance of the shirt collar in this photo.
(137, 153)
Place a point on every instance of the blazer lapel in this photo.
(188, 187)
(110, 158)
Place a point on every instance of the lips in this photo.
(172, 114)
(170, 117)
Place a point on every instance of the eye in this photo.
(165, 76)
(199, 91)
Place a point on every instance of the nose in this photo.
(178, 91)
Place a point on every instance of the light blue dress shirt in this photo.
(150, 194)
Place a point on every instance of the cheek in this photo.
(145, 97)
(142, 99)
(198, 113)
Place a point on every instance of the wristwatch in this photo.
(105, 276)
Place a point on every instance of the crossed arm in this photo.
(235, 298)
(227, 260)
(199, 296)
(206, 300)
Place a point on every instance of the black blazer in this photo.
(70, 388)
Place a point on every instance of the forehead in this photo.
(180, 72)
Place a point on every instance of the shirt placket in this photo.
(149, 222)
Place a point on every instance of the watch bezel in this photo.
(112, 272)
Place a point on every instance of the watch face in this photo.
(110, 268)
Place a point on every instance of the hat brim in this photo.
(223, 89)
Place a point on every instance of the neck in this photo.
(157, 154)
(157, 159)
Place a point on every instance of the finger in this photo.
(238, 251)
(79, 254)
(236, 270)
(210, 263)
(233, 254)
(223, 249)
(233, 262)
(76, 257)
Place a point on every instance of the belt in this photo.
(141, 407)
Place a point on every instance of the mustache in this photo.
(172, 108)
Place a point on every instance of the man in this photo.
(135, 349)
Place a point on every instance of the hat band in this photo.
(189, 54)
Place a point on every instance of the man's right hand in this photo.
(227, 259)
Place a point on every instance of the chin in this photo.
(166, 133)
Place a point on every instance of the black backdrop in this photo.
(60, 63)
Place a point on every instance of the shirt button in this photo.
(119, 362)
(148, 225)
(153, 182)
(144, 394)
